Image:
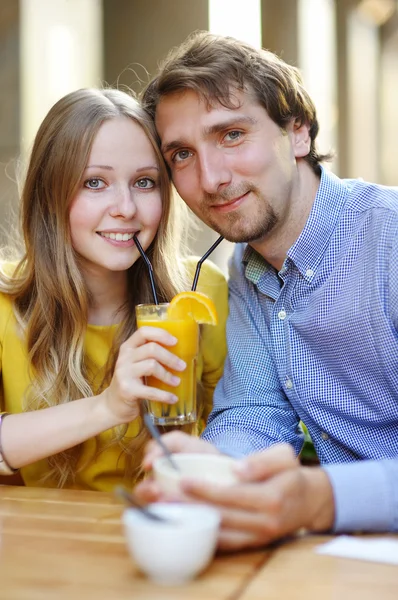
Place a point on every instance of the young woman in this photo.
(72, 362)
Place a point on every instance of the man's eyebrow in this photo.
(172, 146)
(234, 120)
(211, 130)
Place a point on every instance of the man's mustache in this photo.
(230, 193)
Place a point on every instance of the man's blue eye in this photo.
(234, 135)
(181, 155)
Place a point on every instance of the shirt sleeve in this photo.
(366, 495)
(250, 410)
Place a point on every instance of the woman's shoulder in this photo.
(7, 270)
(6, 312)
(211, 282)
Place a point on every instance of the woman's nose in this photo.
(124, 205)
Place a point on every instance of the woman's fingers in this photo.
(150, 393)
(148, 360)
(150, 334)
(151, 367)
(144, 355)
(157, 352)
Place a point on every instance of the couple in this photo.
(311, 330)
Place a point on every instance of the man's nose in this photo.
(124, 205)
(214, 171)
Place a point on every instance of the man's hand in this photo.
(177, 442)
(276, 497)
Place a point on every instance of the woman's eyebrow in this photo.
(107, 167)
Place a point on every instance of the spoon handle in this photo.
(122, 493)
(156, 435)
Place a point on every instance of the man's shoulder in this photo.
(364, 196)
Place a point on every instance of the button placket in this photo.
(288, 383)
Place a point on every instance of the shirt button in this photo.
(289, 384)
(282, 315)
(324, 435)
(309, 273)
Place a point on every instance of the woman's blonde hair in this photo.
(47, 288)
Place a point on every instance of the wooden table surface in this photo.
(66, 544)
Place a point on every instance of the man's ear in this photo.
(301, 139)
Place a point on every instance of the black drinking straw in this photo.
(150, 270)
(199, 265)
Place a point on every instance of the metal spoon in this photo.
(131, 500)
(156, 435)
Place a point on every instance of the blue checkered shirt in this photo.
(317, 341)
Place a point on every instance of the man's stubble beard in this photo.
(236, 229)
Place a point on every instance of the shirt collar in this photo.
(309, 248)
(255, 265)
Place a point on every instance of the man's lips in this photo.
(230, 204)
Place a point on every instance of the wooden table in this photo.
(65, 544)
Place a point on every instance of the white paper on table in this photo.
(373, 549)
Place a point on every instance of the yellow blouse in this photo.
(107, 470)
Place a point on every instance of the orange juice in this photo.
(186, 330)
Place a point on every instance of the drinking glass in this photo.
(186, 330)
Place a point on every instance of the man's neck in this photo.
(274, 247)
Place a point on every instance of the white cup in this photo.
(173, 552)
(216, 468)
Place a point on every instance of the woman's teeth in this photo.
(119, 237)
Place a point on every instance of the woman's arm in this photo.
(30, 436)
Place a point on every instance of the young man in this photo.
(312, 331)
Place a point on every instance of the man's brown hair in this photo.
(213, 66)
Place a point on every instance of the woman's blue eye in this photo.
(145, 183)
(94, 183)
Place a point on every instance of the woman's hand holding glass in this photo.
(142, 355)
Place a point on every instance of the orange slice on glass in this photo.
(196, 305)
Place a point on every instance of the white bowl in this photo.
(216, 468)
(174, 552)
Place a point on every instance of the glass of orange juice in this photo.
(186, 330)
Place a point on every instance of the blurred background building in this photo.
(347, 51)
